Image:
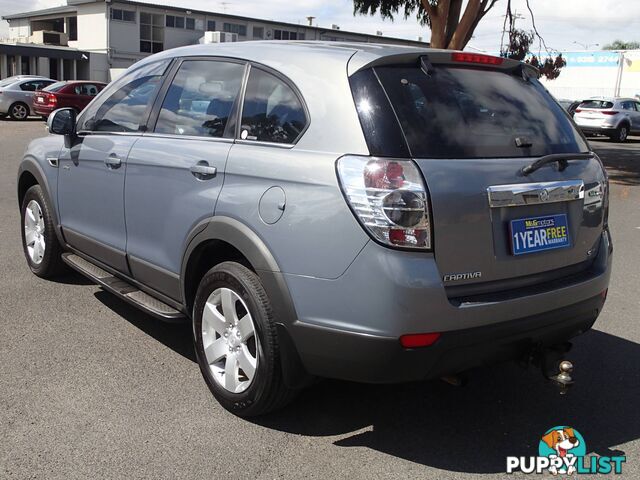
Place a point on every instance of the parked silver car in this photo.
(16, 95)
(363, 212)
(616, 118)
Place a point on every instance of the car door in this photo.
(175, 173)
(636, 117)
(92, 170)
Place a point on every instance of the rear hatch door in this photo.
(472, 130)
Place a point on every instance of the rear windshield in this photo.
(55, 87)
(596, 104)
(473, 113)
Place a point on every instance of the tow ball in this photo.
(554, 367)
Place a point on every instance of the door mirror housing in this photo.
(62, 122)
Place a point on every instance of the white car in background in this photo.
(614, 117)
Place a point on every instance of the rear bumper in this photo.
(372, 359)
(601, 130)
(349, 328)
(43, 110)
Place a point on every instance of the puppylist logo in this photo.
(562, 450)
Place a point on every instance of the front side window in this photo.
(126, 102)
(201, 99)
(272, 112)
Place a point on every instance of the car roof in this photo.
(288, 56)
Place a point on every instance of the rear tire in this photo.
(39, 241)
(620, 134)
(241, 364)
(19, 111)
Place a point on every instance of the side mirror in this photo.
(62, 122)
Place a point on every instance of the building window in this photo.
(235, 28)
(73, 28)
(211, 25)
(123, 15)
(258, 32)
(151, 32)
(287, 35)
(190, 23)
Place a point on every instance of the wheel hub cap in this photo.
(229, 340)
(34, 238)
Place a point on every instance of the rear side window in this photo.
(201, 99)
(596, 104)
(272, 111)
(87, 89)
(473, 113)
(125, 105)
(35, 85)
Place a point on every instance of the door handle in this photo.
(112, 161)
(203, 171)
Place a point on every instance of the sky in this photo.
(560, 22)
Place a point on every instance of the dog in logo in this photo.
(562, 441)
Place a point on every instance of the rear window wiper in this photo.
(561, 158)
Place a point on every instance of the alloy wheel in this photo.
(19, 112)
(34, 237)
(229, 340)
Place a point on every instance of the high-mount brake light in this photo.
(477, 58)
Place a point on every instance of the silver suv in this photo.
(616, 118)
(362, 212)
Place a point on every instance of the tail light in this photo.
(610, 112)
(577, 110)
(52, 99)
(465, 57)
(389, 198)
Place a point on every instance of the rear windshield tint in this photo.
(473, 113)
(596, 104)
(56, 87)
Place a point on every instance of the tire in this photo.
(245, 394)
(621, 133)
(38, 232)
(19, 111)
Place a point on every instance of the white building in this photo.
(94, 39)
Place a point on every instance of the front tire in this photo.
(39, 241)
(236, 342)
(19, 111)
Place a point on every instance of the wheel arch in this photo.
(220, 239)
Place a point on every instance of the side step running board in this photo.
(122, 289)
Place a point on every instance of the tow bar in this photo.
(554, 367)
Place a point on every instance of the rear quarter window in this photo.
(461, 112)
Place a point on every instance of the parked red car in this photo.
(74, 94)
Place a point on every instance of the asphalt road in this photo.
(92, 388)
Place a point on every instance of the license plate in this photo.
(536, 234)
(40, 100)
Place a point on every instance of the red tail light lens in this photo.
(610, 112)
(417, 340)
(577, 110)
(389, 198)
(476, 58)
